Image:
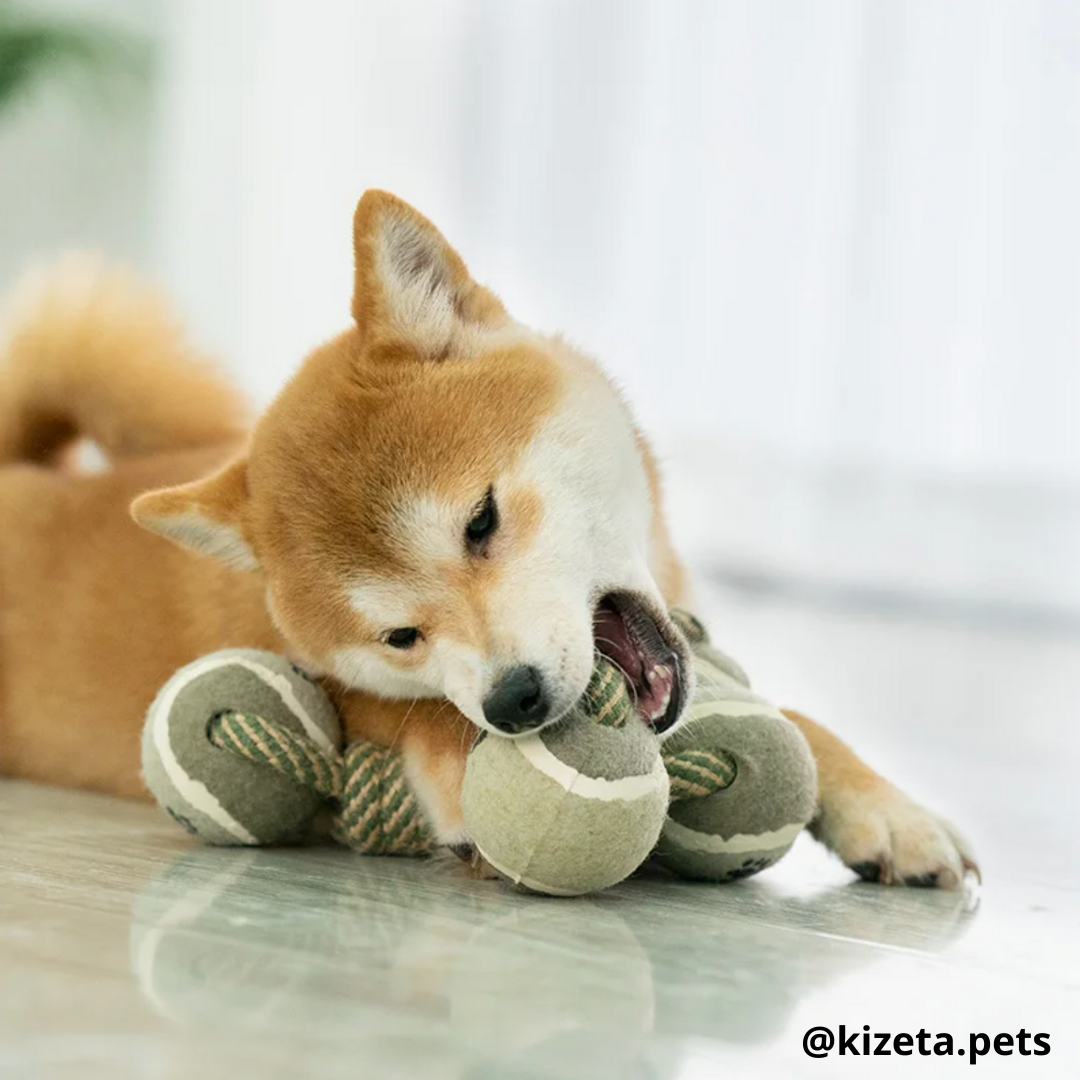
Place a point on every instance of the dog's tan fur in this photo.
(96, 612)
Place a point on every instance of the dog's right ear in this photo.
(413, 293)
(205, 516)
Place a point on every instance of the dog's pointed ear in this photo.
(411, 288)
(205, 516)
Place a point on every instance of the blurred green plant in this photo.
(33, 49)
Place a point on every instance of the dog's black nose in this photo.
(518, 702)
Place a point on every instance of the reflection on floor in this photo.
(124, 951)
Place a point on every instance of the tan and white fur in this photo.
(339, 517)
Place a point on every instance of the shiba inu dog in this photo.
(443, 514)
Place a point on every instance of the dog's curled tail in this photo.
(89, 352)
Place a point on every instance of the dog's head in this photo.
(445, 504)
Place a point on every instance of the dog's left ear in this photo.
(205, 517)
(412, 289)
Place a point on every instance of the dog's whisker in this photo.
(404, 721)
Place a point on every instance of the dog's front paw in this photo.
(884, 836)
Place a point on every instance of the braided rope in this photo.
(697, 773)
(267, 743)
(379, 813)
(376, 811)
(606, 699)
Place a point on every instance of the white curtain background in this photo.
(837, 235)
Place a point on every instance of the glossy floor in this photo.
(124, 951)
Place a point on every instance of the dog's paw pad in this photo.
(463, 849)
(923, 881)
(870, 870)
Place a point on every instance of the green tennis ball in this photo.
(572, 809)
(215, 794)
(750, 824)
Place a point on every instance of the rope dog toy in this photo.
(242, 748)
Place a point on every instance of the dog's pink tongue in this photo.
(614, 642)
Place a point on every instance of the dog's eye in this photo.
(482, 525)
(405, 637)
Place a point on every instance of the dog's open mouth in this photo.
(628, 635)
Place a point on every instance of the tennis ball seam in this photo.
(624, 789)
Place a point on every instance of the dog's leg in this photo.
(875, 828)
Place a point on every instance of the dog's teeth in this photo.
(658, 671)
(661, 709)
